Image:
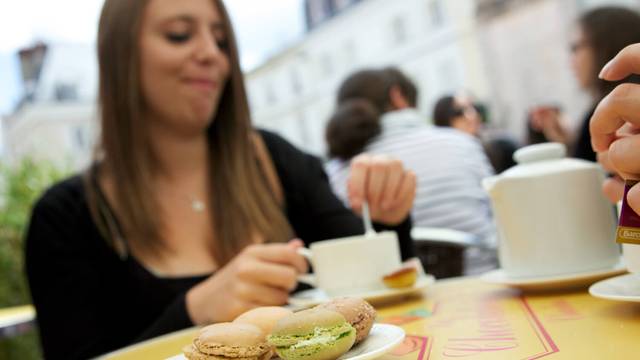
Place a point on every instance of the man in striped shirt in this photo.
(376, 114)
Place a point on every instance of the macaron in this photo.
(359, 313)
(264, 317)
(312, 334)
(229, 341)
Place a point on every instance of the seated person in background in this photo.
(598, 36)
(614, 127)
(187, 215)
(376, 113)
(459, 113)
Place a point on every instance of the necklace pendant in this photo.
(197, 206)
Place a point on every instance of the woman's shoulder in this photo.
(283, 153)
(66, 195)
(276, 143)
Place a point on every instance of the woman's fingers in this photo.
(623, 157)
(620, 106)
(358, 179)
(613, 189)
(627, 62)
(260, 294)
(283, 254)
(395, 176)
(633, 198)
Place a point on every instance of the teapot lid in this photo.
(544, 159)
(540, 152)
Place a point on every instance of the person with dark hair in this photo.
(457, 112)
(188, 215)
(598, 36)
(376, 113)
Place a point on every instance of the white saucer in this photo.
(382, 339)
(552, 282)
(621, 288)
(316, 296)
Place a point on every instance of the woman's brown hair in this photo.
(242, 188)
(608, 30)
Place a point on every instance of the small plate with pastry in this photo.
(404, 282)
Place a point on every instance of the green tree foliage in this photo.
(20, 187)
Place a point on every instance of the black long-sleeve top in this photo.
(582, 148)
(90, 301)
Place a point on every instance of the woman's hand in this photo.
(615, 126)
(261, 275)
(387, 186)
(613, 187)
(548, 120)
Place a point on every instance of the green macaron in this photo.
(314, 334)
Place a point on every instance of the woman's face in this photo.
(582, 59)
(183, 63)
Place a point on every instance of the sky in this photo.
(262, 26)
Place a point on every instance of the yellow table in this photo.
(466, 318)
(15, 320)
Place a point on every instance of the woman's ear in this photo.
(397, 99)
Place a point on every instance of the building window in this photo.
(435, 13)
(65, 92)
(319, 10)
(398, 30)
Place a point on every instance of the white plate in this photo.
(382, 339)
(313, 297)
(621, 288)
(552, 282)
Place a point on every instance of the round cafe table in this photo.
(470, 319)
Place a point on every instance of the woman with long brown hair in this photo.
(598, 36)
(186, 216)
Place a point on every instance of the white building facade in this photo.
(57, 119)
(433, 41)
(509, 54)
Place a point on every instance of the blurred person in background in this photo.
(598, 36)
(376, 113)
(188, 213)
(461, 113)
(457, 112)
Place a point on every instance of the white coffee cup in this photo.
(631, 254)
(354, 264)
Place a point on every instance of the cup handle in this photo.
(305, 252)
(308, 279)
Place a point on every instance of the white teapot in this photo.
(551, 214)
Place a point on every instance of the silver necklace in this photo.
(197, 205)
